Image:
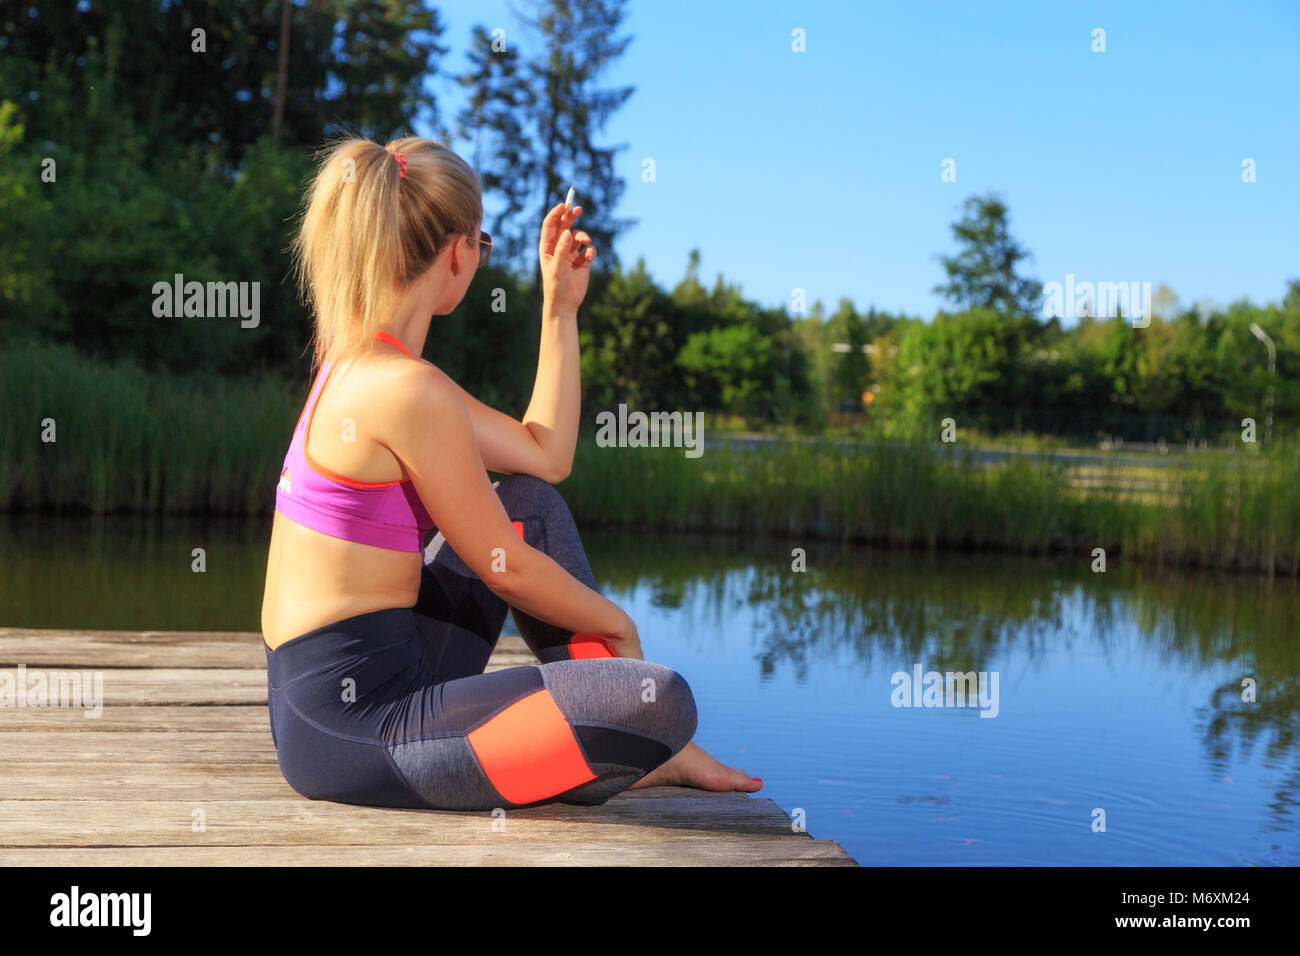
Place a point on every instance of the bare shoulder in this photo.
(413, 396)
(396, 381)
(420, 384)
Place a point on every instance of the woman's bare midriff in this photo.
(313, 579)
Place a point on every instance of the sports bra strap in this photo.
(392, 340)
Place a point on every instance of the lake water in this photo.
(1117, 692)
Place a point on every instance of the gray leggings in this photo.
(392, 708)
(627, 716)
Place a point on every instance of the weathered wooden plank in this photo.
(128, 747)
(289, 821)
(191, 761)
(128, 637)
(122, 750)
(192, 686)
(19, 781)
(209, 685)
(77, 780)
(754, 851)
(87, 774)
(251, 721)
(56, 781)
(167, 649)
(139, 718)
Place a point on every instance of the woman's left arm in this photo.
(542, 444)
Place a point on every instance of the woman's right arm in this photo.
(429, 430)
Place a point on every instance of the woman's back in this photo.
(339, 489)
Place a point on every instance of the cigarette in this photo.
(568, 200)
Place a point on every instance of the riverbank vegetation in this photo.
(87, 436)
(107, 190)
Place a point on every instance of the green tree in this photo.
(578, 42)
(690, 293)
(357, 65)
(489, 342)
(729, 368)
(969, 364)
(985, 271)
(627, 344)
(494, 121)
(852, 368)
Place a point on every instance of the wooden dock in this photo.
(179, 769)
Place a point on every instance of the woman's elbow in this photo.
(553, 472)
(509, 583)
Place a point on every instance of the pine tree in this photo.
(984, 273)
(578, 43)
(494, 122)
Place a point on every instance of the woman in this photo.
(375, 643)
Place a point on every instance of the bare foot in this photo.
(693, 767)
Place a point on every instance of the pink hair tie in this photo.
(401, 161)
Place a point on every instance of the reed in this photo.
(128, 441)
(1234, 512)
(131, 442)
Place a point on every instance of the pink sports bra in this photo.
(385, 514)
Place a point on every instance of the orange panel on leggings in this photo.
(582, 647)
(529, 752)
(588, 647)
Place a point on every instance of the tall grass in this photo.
(126, 441)
(1222, 513)
(901, 492)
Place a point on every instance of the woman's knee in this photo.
(681, 704)
(641, 696)
(667, 706)
(528, 493)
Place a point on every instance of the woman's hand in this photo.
(626, 642)
(565, 261)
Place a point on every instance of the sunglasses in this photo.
(485, 253)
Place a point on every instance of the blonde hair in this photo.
(368, 229)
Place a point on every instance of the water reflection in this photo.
(964, 613)
(1121, 689)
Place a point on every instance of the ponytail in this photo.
(372, 224)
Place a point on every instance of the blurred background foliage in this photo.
(168, 160)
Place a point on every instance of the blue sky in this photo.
(822, 170)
